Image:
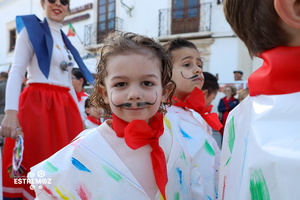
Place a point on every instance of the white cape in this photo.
(261, 149)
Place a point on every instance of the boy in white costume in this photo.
(261, 147)
(130, 156)
(191, 131)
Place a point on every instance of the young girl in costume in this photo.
(46, 110)
(130, 156)
(260, 153)
(192, 134)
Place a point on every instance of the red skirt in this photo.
(50, 119)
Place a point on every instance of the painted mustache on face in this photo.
(129, 105)
(195, 76)
(192, 77)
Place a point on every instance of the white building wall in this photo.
(144, 15)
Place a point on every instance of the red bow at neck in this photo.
(95, 121)
(196, 102)
(81, 94)
(279, 73)
(138, 133)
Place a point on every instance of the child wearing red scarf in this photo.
(78, 82)
(260, 152)
(132, 155)
(180, 118)
(94, 115)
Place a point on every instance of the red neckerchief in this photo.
(81, 94)
(95, 121)
(279, 73)
(138, 133)
(196, 102)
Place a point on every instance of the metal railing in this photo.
(94, 36)
(165, 19)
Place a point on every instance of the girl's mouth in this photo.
(56, 11)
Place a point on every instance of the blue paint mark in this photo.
(185, 135)
(216, 193)
(180, 175)
(209, 197)
(79, 165)
(245, 153)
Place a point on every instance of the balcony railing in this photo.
(94, 33)
(203, 24)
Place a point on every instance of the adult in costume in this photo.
(45, 112)
(260, 153)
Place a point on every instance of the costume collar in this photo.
(81, 94)
(95, 121)
(279, 73)
(53, 25)
(138, 133)
(196, 101)
(40, 37)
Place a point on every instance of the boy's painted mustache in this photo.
(195, 76)
(129, 105)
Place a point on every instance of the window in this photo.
(12, 40)
(106, 17)
(185, 16)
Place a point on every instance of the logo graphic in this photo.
(35, 180)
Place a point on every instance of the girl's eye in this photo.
(200, 66)
(186, 65)
(147, 83)
(121, 84)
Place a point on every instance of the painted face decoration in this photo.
(187, 71)
(133, 86)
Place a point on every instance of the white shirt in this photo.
(26, 60)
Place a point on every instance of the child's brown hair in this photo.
(256, 23)
(178, 43)
(121, 43)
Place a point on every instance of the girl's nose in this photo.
(134, 93)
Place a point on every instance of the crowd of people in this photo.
(146, 130)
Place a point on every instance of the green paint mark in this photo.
(208, 148)
(182, 156)
(167, 123)
(112, 173)
(258, 186)
(231, 137)
(50, 168)
(61, 194)
(176, 196)
(228, 161)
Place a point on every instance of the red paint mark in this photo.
(83, 192)
(224, 187)
(48, 191)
